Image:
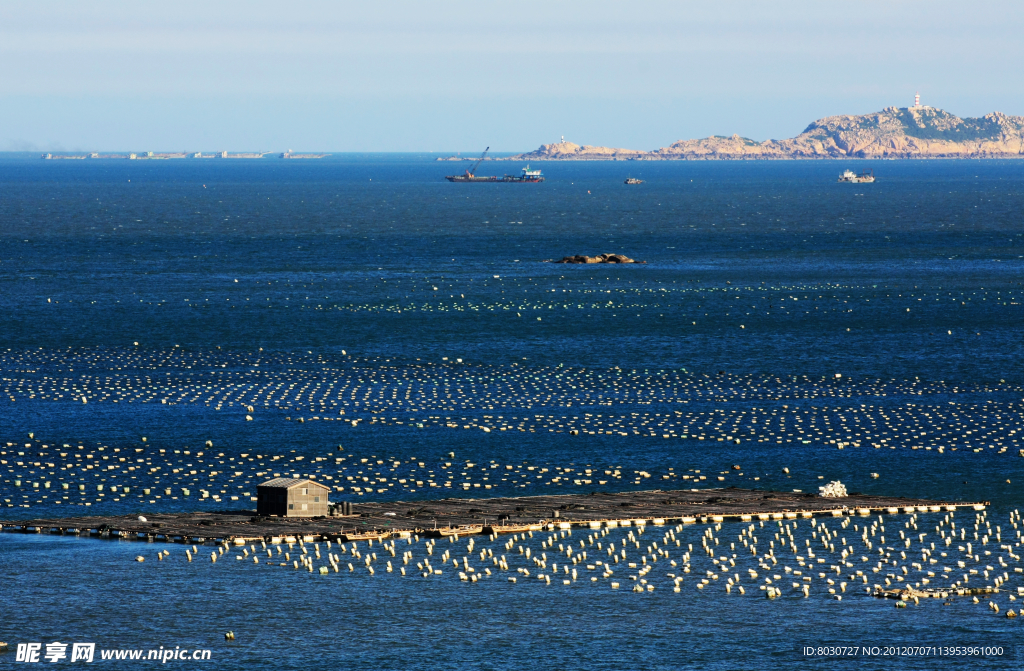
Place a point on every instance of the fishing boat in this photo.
(461, 530)
(511, 528)
(854, 178)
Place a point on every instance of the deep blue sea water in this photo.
(190, 291)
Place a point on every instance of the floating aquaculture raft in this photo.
(497, 515)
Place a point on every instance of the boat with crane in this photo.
(470, 175)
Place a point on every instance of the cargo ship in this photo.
(526, 176)
(471, 176)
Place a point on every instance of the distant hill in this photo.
(904, 132)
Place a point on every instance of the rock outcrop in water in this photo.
(600, 258)
(905, 132)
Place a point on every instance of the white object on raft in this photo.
(832, 490)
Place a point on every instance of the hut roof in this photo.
(288, 483)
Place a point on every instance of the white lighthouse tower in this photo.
(917, 100)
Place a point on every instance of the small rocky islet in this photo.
(600, 258)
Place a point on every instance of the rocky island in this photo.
(919, 131)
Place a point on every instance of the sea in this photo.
(176, 331)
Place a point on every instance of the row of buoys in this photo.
(880, 424)
(821, 550)
(374, 476)
(571, 384)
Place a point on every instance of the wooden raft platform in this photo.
(447, 517)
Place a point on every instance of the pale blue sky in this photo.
(460, 75)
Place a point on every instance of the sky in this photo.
(461, 75)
